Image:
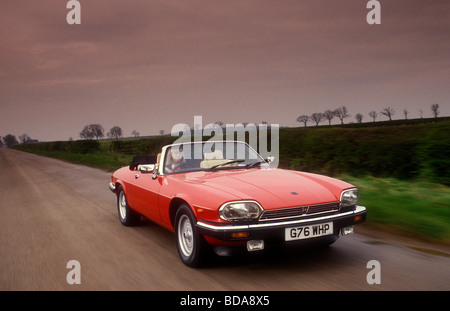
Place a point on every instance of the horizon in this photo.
(192, 130)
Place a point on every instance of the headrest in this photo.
(216, 155)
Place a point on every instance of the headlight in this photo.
(240, 210)
(349, 197)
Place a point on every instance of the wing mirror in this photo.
(146, 168)
(149, 168)
(270, 159)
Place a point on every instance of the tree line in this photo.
(342, 113)
(97, 131)
(11, 140)
(91, 131)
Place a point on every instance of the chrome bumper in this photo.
(112, 187)
(262, 229)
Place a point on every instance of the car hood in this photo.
(272, 188)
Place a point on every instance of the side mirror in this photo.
(270, 159)
(146, 168)
(155, 172)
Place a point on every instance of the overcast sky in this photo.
(147, 65)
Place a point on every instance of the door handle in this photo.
(136, 176)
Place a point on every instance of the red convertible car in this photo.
(224, 195)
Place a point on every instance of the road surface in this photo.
(53, 212)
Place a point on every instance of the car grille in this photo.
(301, 211)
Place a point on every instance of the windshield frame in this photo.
(198, 155)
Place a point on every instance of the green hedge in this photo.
(142, 146)
(78, 146)
(404, 151)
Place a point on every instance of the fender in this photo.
(117, 184)
(175, 201)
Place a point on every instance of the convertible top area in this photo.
(142, 159)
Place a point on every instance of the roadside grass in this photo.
(414, 208)
(102, 160)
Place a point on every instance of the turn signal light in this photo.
(357, 218)
(240, 235)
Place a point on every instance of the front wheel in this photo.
(190, 244)
(127, 216)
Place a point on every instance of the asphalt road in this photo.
(53, 212)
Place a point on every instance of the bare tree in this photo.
(98, 130)
(329, 115)
(373, 115)
(435, 109)
(421, 113)
(359, 117)
(342, 113)
(135, 133)
(86, 132)
(317, 117)
(303, 119)
(405, 112)
(24, 138)
(388, 112)
(91, 131)
(115, 132)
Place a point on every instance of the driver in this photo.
(175, 160)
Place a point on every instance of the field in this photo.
(412, 208)
(402, 169)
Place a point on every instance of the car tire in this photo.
(127, 216)
(191, 245)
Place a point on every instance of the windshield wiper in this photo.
(226, 163)
(254, 164)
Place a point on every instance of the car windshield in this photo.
(210, 156)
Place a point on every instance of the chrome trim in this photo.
(306, 211)
(112, 187)
(342, 193)
(224, 228)
(164, 150)
(261, 210)
(358, 210)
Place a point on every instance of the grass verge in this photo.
(413, 208)
(106, 161)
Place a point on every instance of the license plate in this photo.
(307, 232)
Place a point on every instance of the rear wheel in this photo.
(191, 245)
(127, 216)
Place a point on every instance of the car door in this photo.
(143, 195)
